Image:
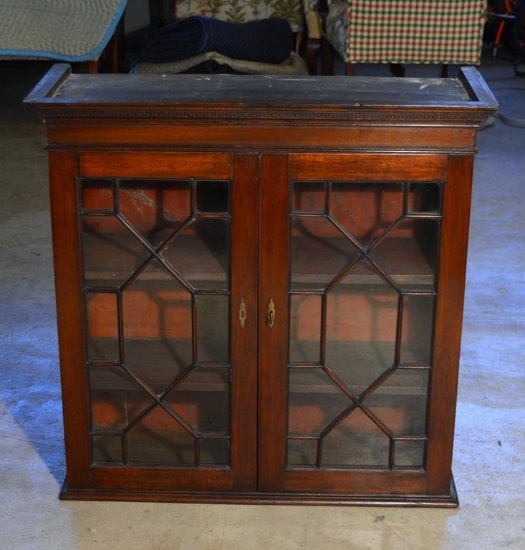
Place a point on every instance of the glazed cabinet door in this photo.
(160, 256)
(357, 360)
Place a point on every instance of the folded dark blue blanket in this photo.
(266, 40)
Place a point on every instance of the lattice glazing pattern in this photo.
(156, 265)
(362, 293)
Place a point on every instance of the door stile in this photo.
(244, 273)
(273, 321)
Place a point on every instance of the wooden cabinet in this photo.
(259, 283)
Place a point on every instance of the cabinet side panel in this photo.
(448, 321)
(63, 194)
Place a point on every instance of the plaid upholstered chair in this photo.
(397, 32)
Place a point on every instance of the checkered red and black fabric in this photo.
(414, 31)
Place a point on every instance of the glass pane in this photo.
(302, 452)
(97, 195)
(154, 323)
(416, 337)
(366, 210)
(309, 197)
(155, 209)
(400, 402)
(356, 442)
(409, 453)
(107, 448)
(202, 399)
(102, 327)
(361, 327)
(315, 401)
(408, 253)
(213, 318)
(214, 452)
(305, 328)
(320, 251)
(424, 198)
(213, 196)
(115, 398)
(201, 253)
(159, 439)
(362, 297)
(110, 252)
(157, 321)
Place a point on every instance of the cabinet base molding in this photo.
(291, 499)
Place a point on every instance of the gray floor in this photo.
(490, 438)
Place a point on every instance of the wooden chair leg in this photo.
(349, 69)
(310, 54)
(298, 41)
(327, 58)
(113, 55)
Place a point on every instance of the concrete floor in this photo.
(490, 433)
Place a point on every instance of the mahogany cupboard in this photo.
(259, 283)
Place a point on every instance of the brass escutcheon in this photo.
(271, 313)
(242, 314)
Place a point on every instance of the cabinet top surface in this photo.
(62, 94)
(257, 90)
